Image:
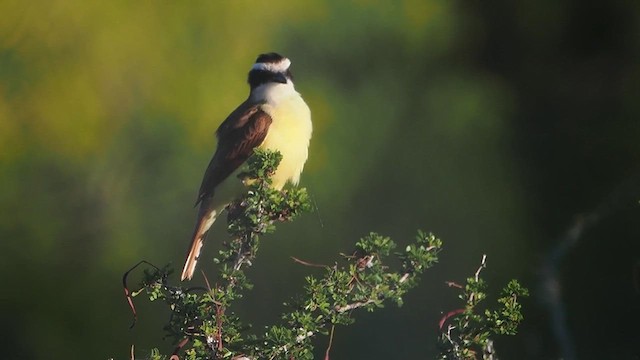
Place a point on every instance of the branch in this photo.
(625, 194)
(203, 327)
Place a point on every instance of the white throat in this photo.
(273, 93)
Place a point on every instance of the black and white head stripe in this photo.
(270, 68)
(272, 62)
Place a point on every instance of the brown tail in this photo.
(204, 223)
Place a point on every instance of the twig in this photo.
(128, 294)
(181, 344)
(326, 353)
(206, 280)
(305, 263)
(404, 278)
(482, 266)
(355, 305)
(447, 335)
(489, 352)
(242, 255)
(219, 312)
(454, 284)
(448, 315)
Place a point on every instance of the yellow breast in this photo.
(289, 133)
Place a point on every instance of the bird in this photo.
(273, 117)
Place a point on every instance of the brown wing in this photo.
(238, 135)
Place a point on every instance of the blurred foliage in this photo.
(491, 123)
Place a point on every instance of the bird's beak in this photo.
(281, 78)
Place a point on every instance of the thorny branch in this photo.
(469, 330)
(212, 331)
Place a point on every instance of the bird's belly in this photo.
(289, 133)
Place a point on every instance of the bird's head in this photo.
(270, 68)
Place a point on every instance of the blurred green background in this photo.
(493, 124)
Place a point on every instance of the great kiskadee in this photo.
(274, 117)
